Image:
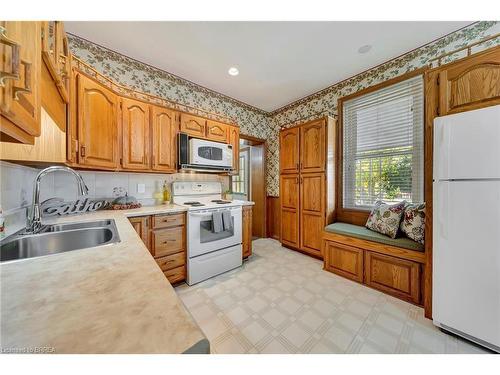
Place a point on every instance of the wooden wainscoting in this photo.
(273, 217)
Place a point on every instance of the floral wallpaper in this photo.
(145, 78)
(261, 124)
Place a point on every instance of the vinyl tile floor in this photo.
(281, 301)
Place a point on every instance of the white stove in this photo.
(211, 249)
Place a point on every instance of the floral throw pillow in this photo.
(413, 223)
(385, 218)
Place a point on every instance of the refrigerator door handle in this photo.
(443, 210)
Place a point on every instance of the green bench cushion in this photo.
(364, 233)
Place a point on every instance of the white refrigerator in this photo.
(466, 225)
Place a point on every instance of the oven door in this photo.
(201, 239)
(202, 152)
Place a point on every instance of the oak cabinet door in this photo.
(395, 276)
(164, 139)
(289, 193)
(20, 71)
(289, 151)
(97, 125)
(234, 141)
(247, 231)
(135, 134)
(193, 125)
(217, 131)
(56, 55)
(312, 212)
(141, 226)
(470, 84)
(344, 260)
(312, 147)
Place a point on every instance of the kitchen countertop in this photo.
(106, 299)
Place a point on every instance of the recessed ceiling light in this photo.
(364, 49)
(233, 71)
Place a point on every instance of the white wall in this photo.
(16, 187)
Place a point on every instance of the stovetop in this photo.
(208, 204)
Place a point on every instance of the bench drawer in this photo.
(171, 261)
(395, 276)
(176, 275)
(344, 260)
(167, 221)
(167, 241)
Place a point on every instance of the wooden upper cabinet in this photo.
(164, 139)
(312, 147)
(97, 125)
(56, 55)
(289, 150)
(217, 131)
(470, 83)
(234, 141)
(20, 69)
(193, 125)
(135, 134)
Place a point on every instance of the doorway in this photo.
(250, 183)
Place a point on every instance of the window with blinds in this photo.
(383, 145)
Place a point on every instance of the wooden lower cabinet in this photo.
(398, 277)
(165, 237)
(344, 260)
(141, 226)
(176, 275)
(167, 241)
(395, 276)
(312, 212)
(171, 261)
(247, 231)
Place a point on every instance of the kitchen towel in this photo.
(227, 220)
(217, 225)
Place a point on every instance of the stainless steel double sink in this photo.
(58, 238)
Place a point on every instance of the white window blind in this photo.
(383, 145)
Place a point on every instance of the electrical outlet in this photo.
(141, 188)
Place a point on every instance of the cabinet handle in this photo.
(82, 151)
(166, 241)
(297, 166)
(14, 73)
(296, 180)
(27, 81)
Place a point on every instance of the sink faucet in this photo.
(34, 224)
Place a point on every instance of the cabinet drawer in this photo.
(175, 275)
(171, 261)
(165, 221)
(346, 261)
(167, 241)
(395, 276)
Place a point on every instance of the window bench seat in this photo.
(364, 233)
(393, 266)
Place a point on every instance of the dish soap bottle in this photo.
(2, 223)
(166, 193)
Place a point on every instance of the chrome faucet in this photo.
(34, 224)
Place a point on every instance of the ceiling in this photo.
(279, 62)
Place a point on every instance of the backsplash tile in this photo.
(16, 187)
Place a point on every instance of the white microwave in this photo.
(204, 154)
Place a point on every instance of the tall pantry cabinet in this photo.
(306, 184)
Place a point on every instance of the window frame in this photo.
(354, 215)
